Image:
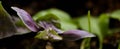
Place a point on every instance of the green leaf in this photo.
(68, 25)
(63, 16)
(19, 23)
(39, 14)
(21, 28)
(83, 24)
(48, 34)
(53, 35)
(104, 24)
(63, 19)
(115, 14)
(47, 17)
(7, 26)
(42, 35)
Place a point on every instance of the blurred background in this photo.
(75, 8)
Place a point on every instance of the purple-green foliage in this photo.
(50, 32)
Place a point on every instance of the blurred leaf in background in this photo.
(83, 24)
(95, 29)
(115, 14)
(103, 22)
(7, 27)
(99, 26)
(64, 19)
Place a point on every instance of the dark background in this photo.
(73, 7)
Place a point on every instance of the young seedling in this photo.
(50, 30)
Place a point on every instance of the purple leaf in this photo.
(76, 34)
(26, 18)
(44, 24)
(56, 29)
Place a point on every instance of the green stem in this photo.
(86, 42)
(89, 24)
(100, 42)
(83, 44)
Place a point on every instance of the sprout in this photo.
(50, 30)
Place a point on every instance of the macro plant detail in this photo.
(58, 27)
(50, 30)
